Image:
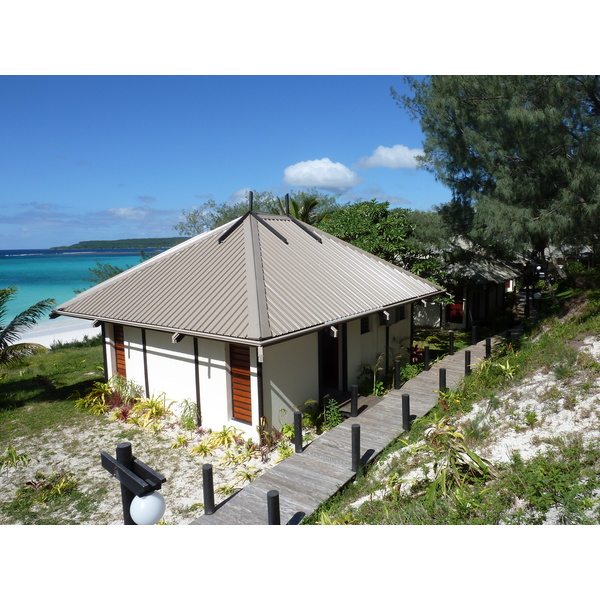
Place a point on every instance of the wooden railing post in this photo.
(405, 412)
(298, 431)
(354, 401)
(208, 489)
(273, 514)
(355, 446)
(467, 362)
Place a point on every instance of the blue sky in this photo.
(109, 157)
(101, 138)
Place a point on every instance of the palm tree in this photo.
(308, 206)
(12, 352)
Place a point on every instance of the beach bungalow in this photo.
(252, 319)
(479, 292)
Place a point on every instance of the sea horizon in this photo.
(44, 273)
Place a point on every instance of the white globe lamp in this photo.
(148, 509)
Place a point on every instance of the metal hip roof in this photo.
(256, 279)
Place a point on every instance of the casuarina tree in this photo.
(519, 153)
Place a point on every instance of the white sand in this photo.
(61, 329)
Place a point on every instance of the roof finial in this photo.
(287, 205)
(251, 199)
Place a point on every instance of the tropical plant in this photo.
(244, 476)
(96, 400)
(117, 394)
(312, 416)
(189, 415)
(11, 351)
(228, 436)
(310, 206)
(11, 458)
(454, 464)
(332, 415)
(148, 413)
(326, 519)
(180, 441)
(371, 371)
(372, 226)
(45, 487)
(203, 449)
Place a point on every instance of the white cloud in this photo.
(239, 196)
(130, 214)
(396, 157)
(322, 173)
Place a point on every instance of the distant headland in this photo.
(127, 244)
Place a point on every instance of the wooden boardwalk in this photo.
(306, 479)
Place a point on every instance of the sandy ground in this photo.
(62, 329)
(524, 420)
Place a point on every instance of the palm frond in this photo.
(10, 350)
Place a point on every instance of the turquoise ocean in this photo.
(42, 274)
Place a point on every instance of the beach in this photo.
(63, 329)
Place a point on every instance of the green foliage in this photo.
(310, 206)
(12, 458)
(13, 353)
(86, 342)
(180, 441)
(408, 371)
(125, 244)
(519, 153)
(371, 372)
(189, 415)
(372, 226)
(226, 437)
(332, 414)
(149, 413)
(43, 488)
(117, 393)
(454, 464)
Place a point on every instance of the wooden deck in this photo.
(307, 479)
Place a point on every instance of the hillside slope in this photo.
(518, 444)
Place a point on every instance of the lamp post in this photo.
(142, 503)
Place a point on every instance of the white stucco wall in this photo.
(290, 377)
(215, 395)
(134, 357)
(363, 349)
(171, 367)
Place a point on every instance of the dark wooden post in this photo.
(208, 489)
(473, 335)
(442, 379)
(354, 401)
(298, 431)
(397, 375)
(426, 358)
(488, 347)
(273, 514)
(467, 362)
(451, 343)
(355, 446)
(405, 412)
(125, 457)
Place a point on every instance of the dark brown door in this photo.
(120, 349)
(239, 359)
